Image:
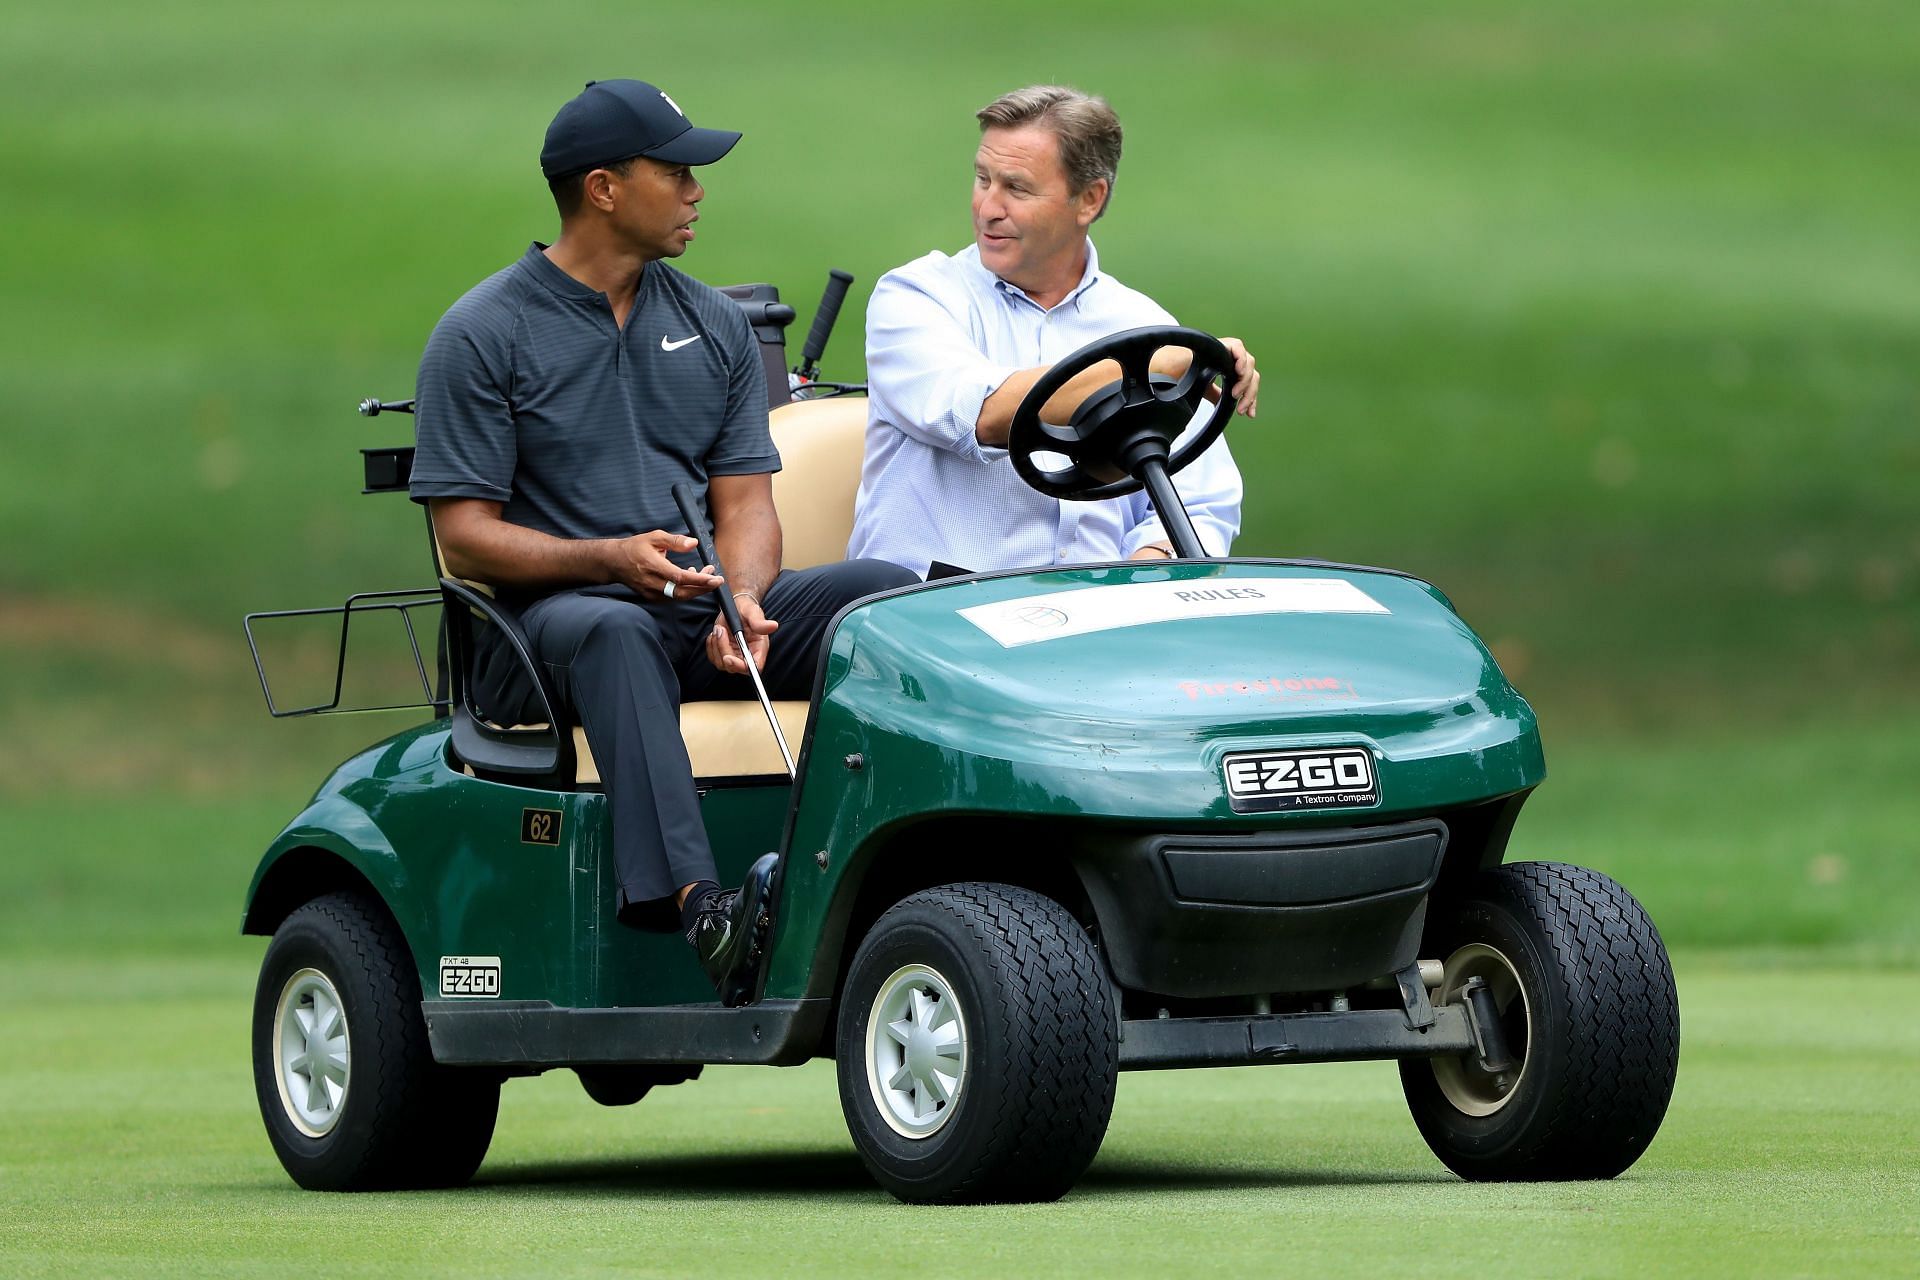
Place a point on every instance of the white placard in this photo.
(1059, 614)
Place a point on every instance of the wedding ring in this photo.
(667, 591)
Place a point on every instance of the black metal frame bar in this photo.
(525, 752)
(391, 602)
(826, 391)
(535, 1035)
(1352, 1036)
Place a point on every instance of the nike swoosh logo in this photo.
(675, 346)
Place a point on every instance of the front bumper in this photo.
(1197, 916)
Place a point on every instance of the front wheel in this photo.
(977, 1051)
(347, 1084)
(1579, 984)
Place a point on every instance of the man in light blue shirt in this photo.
(955, 343)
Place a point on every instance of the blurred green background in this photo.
(1604, 316)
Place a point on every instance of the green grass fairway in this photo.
(129, 1145)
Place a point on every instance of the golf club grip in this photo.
(697, 526)
(838, 282)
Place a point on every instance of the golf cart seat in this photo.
(820, 444)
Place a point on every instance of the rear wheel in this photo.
(976, 1047)
(347, 1084)
(1583, 998)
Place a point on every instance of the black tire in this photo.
(1039, 1057)
(1589, 1011)
(401, 1119)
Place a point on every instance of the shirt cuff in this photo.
(1214, 538)
(743, 466)
(1148, 530)
(420, 488)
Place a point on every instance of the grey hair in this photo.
(1087, 129)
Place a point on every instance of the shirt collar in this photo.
(1087, 277)
(553, 278)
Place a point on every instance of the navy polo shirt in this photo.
(531, 396)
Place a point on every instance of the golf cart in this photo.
(1044, 826)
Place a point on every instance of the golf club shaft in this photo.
(683, 497)
(766, 703)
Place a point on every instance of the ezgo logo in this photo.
(470, 977)
(1326, 777)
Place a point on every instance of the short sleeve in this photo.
(463, 415)
(745, 443)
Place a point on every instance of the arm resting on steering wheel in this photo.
(996, 414)
(925, 376)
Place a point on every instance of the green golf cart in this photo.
(1045, 826)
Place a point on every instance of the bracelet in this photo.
(1164, 553)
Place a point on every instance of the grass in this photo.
(129, 1143)
(131, 1147)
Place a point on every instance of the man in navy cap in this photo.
(559, 402)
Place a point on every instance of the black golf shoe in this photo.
(730, 931)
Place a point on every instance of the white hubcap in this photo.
(916, 1051)
(310, 1046)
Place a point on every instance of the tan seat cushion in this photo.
(820, 443)
(724, 740)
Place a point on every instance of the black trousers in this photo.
(622, 665)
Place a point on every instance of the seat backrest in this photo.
(820, 444)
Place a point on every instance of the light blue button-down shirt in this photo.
(942, 334)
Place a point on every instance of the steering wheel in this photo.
(1125, 424)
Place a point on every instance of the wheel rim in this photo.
(313, 1059)
(916, 1051)
(1466, 1084)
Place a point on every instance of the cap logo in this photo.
(670, 102)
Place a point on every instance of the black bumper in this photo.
(1196, 916)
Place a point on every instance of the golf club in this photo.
(697, 526)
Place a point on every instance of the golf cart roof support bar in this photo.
(400, 602)
(1354, 1036)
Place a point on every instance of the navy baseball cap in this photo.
(615, 119)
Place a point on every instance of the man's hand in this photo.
(641, 562)
(1153, 551)
(724, 652)
(1246, 379)
(1173, 361)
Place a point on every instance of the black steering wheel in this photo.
(1124, 425)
